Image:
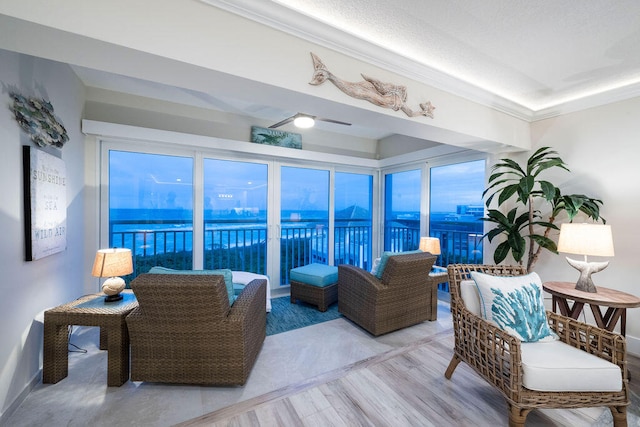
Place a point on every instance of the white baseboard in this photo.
(633, 345)
(4, 416)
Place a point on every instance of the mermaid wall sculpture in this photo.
(387, 95)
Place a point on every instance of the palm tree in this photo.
(524, 221)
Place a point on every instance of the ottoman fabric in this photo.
(315, 284)
(320, 275)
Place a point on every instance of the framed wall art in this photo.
(45, 203)
(276, 137)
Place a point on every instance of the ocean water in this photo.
(154, 231)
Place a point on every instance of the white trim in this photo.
(22, 396)
(633, 345)
(197, 235)
(139, 134)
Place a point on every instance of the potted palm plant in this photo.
(524, 227)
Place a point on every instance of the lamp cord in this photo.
(78, 349)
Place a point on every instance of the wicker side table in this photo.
(90, 310)
(435, 278)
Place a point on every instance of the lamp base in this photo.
(112, 298)
(586, 269)
(112, 288)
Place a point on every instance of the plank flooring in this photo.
(402, 387)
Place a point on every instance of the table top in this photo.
(604, 296)
(94, 304)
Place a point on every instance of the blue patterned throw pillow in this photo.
(515, 304)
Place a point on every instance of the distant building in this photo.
(474, 210)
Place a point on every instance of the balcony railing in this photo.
(456, 246)
(244, 246)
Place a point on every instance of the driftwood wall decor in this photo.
(387, 95)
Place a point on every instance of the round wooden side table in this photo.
(615, 302)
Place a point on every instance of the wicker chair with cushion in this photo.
(184, 330)
(401, 298)
(564, 374)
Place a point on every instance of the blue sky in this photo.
(458, 184)
(156, 181)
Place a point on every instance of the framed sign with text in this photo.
(276, 137)
(45, 203)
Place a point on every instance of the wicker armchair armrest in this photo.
(134, 318)
(358, 286)
(592, 339)
(356, 276)
(490, 351)
(249, 302)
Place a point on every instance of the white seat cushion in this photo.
(556, 366)
(244, 277)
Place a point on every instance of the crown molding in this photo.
(590, 101)
(307, 28)
(299, 25)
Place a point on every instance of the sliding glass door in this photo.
(199, 212)
(235, 215)
(402, 201)
(304, 218)
(151, 208)
(353, 207)
(456, 207)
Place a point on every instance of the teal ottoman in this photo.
(315, 284)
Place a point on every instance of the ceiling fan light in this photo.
(304, 122)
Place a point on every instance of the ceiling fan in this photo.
(302, 120)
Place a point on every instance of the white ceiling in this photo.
(531, 59)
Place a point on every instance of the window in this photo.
(353, 219)
(304, 218)
(235, 215)
(455, 210)
(151, 208)
(402, 211)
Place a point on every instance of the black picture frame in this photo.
(45, 203)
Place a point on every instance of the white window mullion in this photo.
(198, 211)
(332, 211)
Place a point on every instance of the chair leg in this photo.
(619, 415)
(452, 366)
(517, 416)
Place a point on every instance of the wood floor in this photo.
(403, 387)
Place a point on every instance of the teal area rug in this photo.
(285, 316)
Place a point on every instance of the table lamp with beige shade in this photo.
(586, 239)
(430, 244)
(112, 263)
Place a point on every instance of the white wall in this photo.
(27, 288)
(600, 146)
(205, 50)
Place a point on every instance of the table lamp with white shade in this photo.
(586, 239)
(430, 244)
(112, 263)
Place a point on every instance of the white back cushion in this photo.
(469, 294)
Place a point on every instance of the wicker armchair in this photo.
(496, 355)
(185, 332)
(403, 297)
